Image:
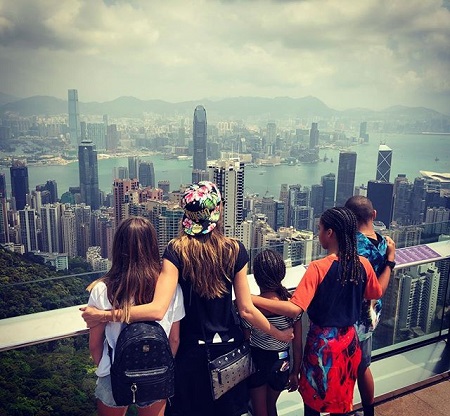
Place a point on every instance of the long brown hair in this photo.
(135, 265)
(208, 261)
(344, 224)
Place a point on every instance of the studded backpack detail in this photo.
(143, 368)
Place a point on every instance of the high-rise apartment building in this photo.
(402, 200)
(147, 174)
(96, 132)
(69, 232)
(4, 233)
(28, 228)
(314, 136)
(165, 186)
(363, 131)
(51, 228)
(317, 200)
(329, 189)
(382, 196)
(199, 135)
(4, 228)
(19, 183)
(274, 211)
(88, 170)
(74, 117)
(418, 201)
(85, 234)
(384, 163)
(121, 188)
(2, 185)
(271, 138)
(121, 172)
(133, 167)
(229, 177)
(346, 177)
(168, 224)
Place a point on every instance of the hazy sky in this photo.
(348, 53)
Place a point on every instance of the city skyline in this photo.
(371, 54)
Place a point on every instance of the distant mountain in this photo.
(6, 98)
(37, 105)
(235, 108)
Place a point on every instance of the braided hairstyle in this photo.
(269, 270)
(344, 224)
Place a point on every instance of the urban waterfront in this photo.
(411, 153)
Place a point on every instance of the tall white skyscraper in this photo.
(28, 228)
(229, 177)
(50, 231)
(74, 117)
(69, 232)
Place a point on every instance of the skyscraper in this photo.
(317, 199)
(329, 189)
(4, 234)
(363, 131)
(28, 228)
(74, 117)
(133, 167)
(382, 196)
(147, 174)
(19, 183)
(88, 170)
(346, 177)
(271, 137)
(384, 163)
(314, 136)
(69, 232)
(199, 139)
(2, 185)
(229, 177)
(121, 187)
(50, 228)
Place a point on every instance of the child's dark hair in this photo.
(269, 270)
(344, 224)
(362, 207)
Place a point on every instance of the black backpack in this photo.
(143, 368)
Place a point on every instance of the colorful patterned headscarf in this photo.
(201, 204)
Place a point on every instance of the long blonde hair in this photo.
(208, 261)
(135, 266)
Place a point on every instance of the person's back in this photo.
(130, 281)
(380, 252)
(271, 356)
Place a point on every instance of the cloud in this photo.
(373, 53)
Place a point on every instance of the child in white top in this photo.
(130, 281)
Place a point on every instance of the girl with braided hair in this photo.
(271, 356)
(331, 290)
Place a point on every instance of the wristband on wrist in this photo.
(390, 264)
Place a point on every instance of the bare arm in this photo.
(174, 337)
(385, 276)
(250, 313)
(297, 352)
(96, 338)
(280, 307)
(154, 311)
